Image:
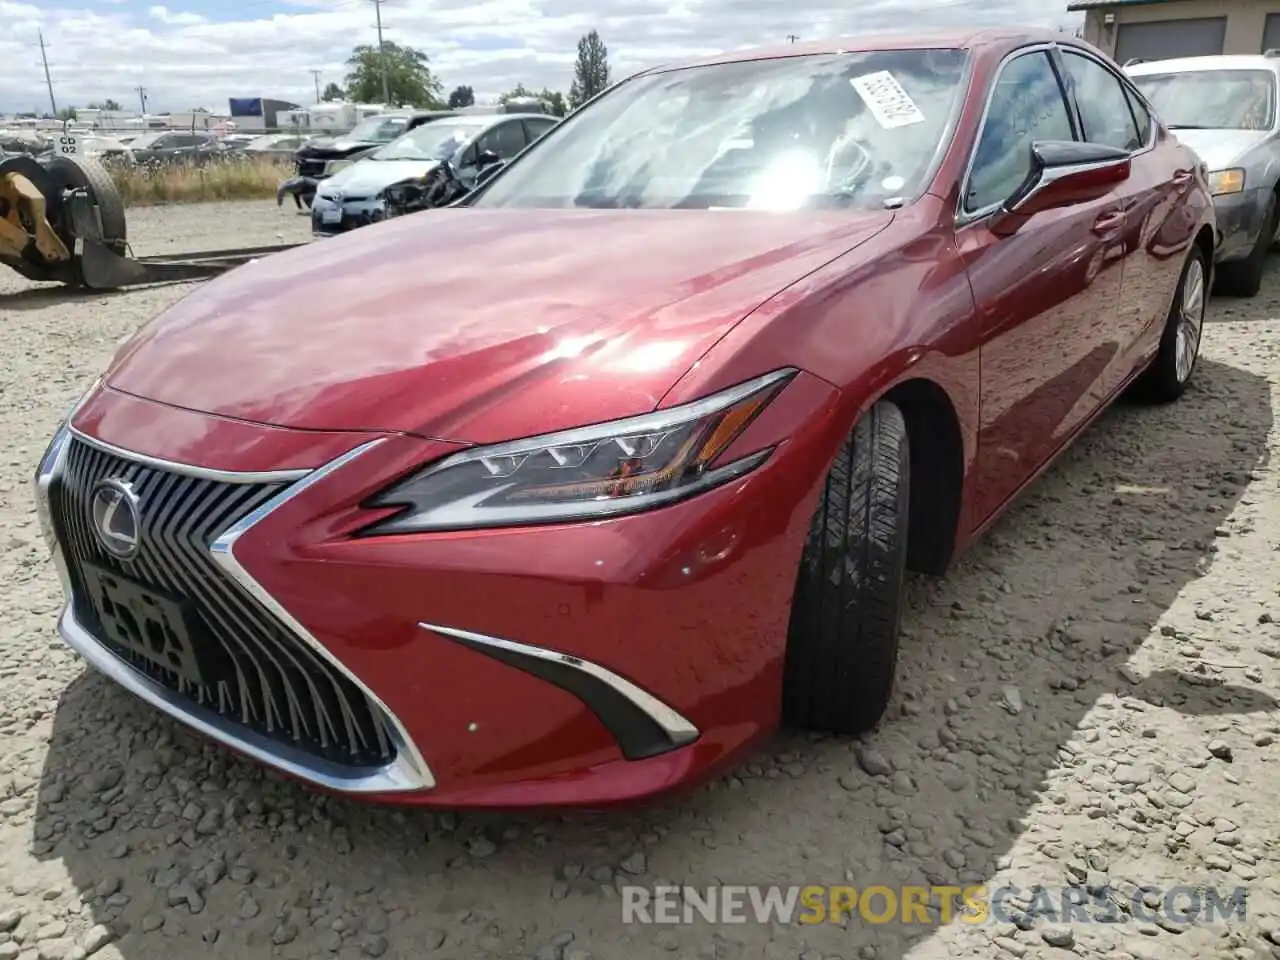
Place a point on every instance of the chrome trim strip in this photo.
(186, 469)
(680, 730)
(407, 772)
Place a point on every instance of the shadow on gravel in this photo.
(185, 851)
(40, 298)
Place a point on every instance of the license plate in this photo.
(162, 629)
(331, 216)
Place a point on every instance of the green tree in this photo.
(408, 75)
(107, 104)
(67, 113)
(590, 71)
(332, 92)
(555, 99)
(462, 96)
(519, 91)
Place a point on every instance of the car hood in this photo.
(1220, 148)
(328, 147)
(477, 325)
(367, 177)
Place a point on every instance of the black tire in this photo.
(1243, 278)
(842, 645)
(74, 172)
(1162, 382)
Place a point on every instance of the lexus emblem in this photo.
(114, 508)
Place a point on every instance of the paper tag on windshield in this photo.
(888, 102)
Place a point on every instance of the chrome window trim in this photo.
(408, 771)
(964, 218)
(1124, 82)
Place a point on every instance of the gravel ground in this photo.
(1088, 698)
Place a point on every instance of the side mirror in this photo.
(487, 158)
(488, 172)
(1063, 173)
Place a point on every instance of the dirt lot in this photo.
(1089, 698)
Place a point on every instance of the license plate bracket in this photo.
(164, 630)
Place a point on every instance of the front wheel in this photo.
(1170, 371)
(842, 645)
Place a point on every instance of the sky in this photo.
(198, 53)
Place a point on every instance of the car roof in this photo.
(1241, 61)
(931, 40)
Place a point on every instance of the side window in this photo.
(1141, 114)
(1104, 108)
(506, 140)
(536, 128)
(1027, 105)
(388, 131)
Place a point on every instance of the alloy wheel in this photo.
(1190, 319)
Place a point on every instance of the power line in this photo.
(53, 104)
(316, 75)
(382, 53)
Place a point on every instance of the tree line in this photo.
(411, 82)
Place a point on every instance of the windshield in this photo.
(840, 129)
(438, 140)
(1212, 99)
(377, 129)
(146, 140)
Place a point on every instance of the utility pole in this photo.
(792, 37)
(382, 54)
(142, 98)
(316, 75)
(53, 104)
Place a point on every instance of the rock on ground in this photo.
(1087, 699)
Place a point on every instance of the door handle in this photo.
(1108, 223)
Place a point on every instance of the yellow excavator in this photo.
(62, 221)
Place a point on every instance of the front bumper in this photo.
(1240, 219)
(329, 217)
(634, 657)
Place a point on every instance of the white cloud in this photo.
(106, 48)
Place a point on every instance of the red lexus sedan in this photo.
(568, 495)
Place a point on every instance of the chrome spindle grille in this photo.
(256, 672)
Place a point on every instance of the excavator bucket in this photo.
(62, 220)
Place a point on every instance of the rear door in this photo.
(1040, 292)
(1106, 116)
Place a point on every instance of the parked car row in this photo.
(1226, 109)
(470, 145)
(570, 492)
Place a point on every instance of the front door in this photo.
(1042, 294)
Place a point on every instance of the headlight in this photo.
(1222, 182)
(333, 166)
(588, 473)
